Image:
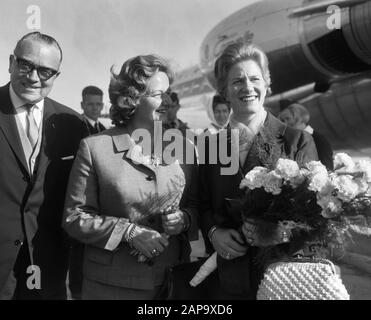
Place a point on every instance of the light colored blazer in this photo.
(108, 187)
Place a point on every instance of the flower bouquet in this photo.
(311, 202)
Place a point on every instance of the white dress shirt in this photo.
(21, 110)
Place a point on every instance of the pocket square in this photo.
(68, 158)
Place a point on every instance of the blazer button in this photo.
(18, 243)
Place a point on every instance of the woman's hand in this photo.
(261, 233)
(173, 222)
(149, 242)
(228, 243)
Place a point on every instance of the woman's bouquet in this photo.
(322, 205)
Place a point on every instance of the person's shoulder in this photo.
(4, 93)
(102, 138)
(4, 89)
(183, 124)
(295, 135)
(61, 108)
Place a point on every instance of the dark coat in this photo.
(324, 150)
(279, 141)
(31, 207)
(91, 130)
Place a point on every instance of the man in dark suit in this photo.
(297, 116)
(92, 105)
(38, 141)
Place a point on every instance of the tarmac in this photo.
(356, 268)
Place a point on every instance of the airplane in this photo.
(319, 54)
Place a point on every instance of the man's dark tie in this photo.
(96, 127)
(31, 127)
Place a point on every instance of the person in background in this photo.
(92, 105)
(221, 113)
(297, 116)
(135, 211)
(39, 138)
(172, 121)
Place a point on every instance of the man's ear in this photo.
(11, 61)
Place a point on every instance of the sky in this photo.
(96, 34)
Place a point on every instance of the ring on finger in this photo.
(250, 241)
(228, 255)
(154, 252)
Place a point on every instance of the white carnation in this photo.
(287, 169)
(254, 178)
(363, 186)
(364, 166)
(346, 188)
(273, 183)
(331, 206)
(344, 161)
(320, 182)
(316, 167)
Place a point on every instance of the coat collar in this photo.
(121, 139)
(133, 152)
(266, 144)
(276, 127)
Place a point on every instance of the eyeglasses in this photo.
(27, 67)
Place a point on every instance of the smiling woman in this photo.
(135, 214)
(243, 80)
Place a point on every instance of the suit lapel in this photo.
(8, 126)
(267, 145)
(123, 143)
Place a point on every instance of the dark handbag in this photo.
(176, 285)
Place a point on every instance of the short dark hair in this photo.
(217, 99)
(299, 112)
(91, 90)
(42, 37)
(130, 83)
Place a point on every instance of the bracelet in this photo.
(211, 232)
(130, 237)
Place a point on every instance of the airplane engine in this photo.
(306, 40)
